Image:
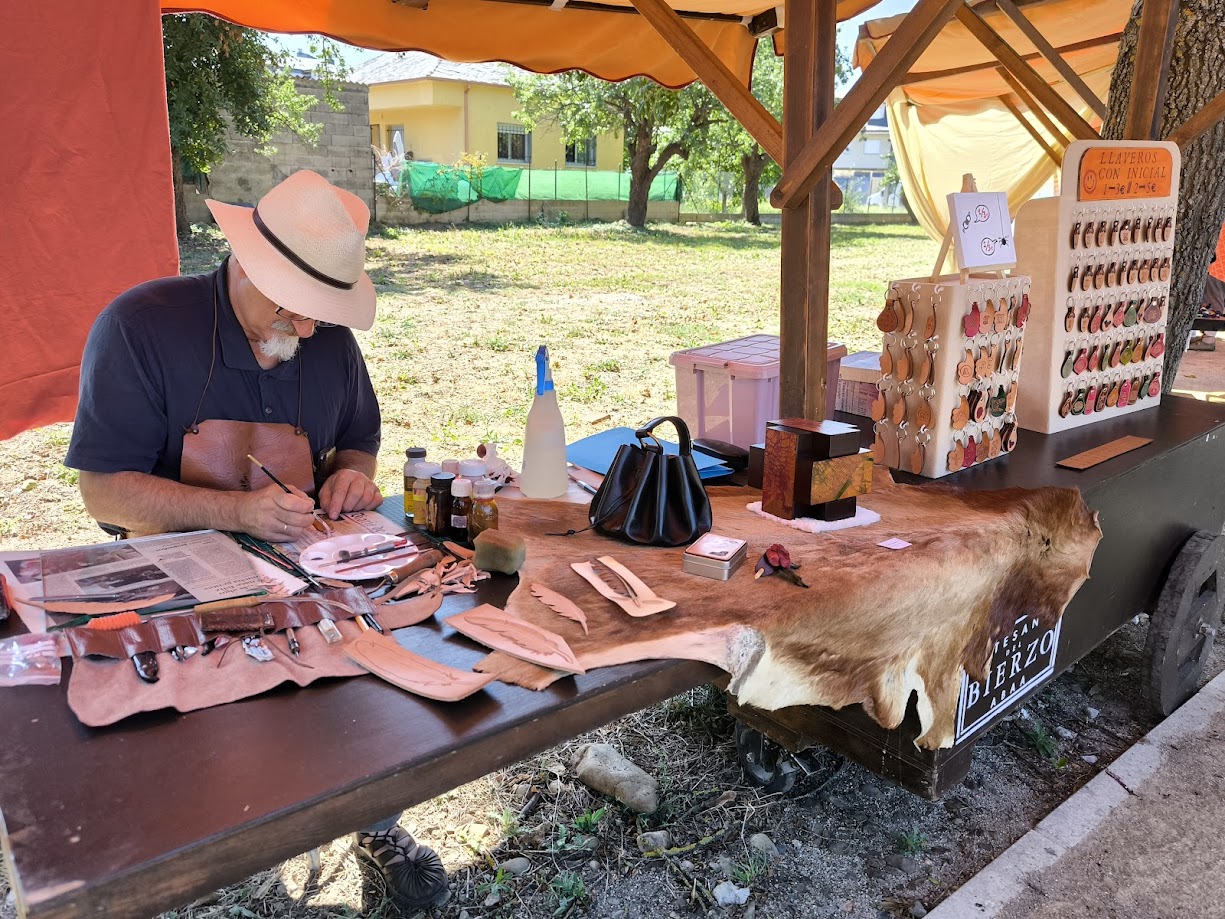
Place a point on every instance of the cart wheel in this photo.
(765, 763)
(1185, 622)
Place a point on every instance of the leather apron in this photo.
(215, 451)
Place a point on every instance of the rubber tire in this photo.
(765, 763)
(1185, 622)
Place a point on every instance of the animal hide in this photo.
(876, 625)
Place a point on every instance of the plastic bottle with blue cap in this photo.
(544, 440)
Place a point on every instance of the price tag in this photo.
(982, 230)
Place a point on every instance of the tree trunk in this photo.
(640, 176)
(1197, 74)
(754, 163)
(181, 224)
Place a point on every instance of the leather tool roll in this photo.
(650, 497)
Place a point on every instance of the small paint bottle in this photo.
(438, 504)
(461, 505)
(414, 455)
(484, 513)
(421, 484)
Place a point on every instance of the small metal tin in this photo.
(714, 556)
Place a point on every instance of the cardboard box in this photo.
(857, 376)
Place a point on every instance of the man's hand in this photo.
(276, 516)
(348, 490)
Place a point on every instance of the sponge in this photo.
(498, 551)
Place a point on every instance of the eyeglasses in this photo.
(298, 317)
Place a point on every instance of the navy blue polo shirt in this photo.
(145, 366)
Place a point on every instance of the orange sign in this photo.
(1116, 173)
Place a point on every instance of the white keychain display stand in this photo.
(899, 432)
(1136, 175)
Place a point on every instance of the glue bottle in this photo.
(544, 440)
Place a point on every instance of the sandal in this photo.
(413, 873)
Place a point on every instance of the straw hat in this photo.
(304, 247)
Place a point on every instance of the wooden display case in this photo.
(1100, 257)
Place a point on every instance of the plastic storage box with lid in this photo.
(728, 391)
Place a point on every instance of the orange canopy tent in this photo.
(85, 175)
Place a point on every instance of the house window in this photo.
(375, 139)
(872, 146)
(581, 153)
(392, 132)
(514, 143)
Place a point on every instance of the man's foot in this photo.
(413, 873)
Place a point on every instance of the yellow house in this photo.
(443, 110)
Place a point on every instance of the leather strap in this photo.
(682, 429)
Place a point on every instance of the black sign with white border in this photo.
(1020, 660)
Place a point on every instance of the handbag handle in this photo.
(647, 430)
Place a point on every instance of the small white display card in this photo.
(982, 230)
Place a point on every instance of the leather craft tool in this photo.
(347, 556)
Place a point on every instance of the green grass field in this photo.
(461, 312)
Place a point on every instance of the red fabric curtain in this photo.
(85, 187)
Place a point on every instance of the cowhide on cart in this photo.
(875, 624)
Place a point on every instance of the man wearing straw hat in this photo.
(184, 379)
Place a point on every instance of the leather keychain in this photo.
(987, 320)
(886, 360)
(1069, 318)
(1101, 234)
(1144, 271)
(1125, 352)
(1065, 405)
(978, 406)
(1087, 236)
(1078, 403)
(1112, 274)
(1135, 391)
(1154, 387)
(1167, 231)
(918, 452)
(1008, 436)
(1073, 279)
(1086, 278)
(995, 445)
(1132, 315)
(1099, 276)
(961, 414)
(878, 444)
(1095, 319)
(1003, 318)
(1069, 360)
(1125, 393)
(983, 366)
(1022, 314)
(1133, 271)
(956, 456)
(1125, 233)
(888, 320)
(923, 413)
(1082, 320)
(965, 369)
(1113, 234)
(1120, 311)
(1082, 361)
(1112, 399)
(970, 455)
(1095, 358)
(1075, 234)
(1163, 273)
(905, 365)
(1157, 348)
(971, 322)
(899, 409)
(1090, 400)
(998, 404)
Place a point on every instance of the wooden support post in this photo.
(1026, 75)
(808, 100)
(1033, 132)
(924, 76)
(763, 126)
(1203, 120)
(911, 38)
(1035, 109)
(1053, 57)
(1152, 67)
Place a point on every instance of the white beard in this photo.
(282, 345)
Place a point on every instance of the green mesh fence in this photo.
(435, 189)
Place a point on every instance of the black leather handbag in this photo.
(652, 498)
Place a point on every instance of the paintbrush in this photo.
(285, 488)
(380, 561)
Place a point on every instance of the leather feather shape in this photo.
(383, 656)
(560, 605)
(497, 629)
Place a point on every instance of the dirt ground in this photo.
(842, 843)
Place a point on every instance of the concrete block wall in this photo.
(342, 155)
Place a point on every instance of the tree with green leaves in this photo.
(220, 75)
(732, 149)
(658, 124)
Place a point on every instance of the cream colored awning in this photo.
(950, 114)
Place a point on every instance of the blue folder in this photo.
(598, 451)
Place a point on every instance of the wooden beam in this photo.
(1035, 109)
(1026, 75)
(808, 99)
(1033, 132)
(763, 126)
(907, 42)
(1151, 69)
(925, 76)
(1203, 120)
(1053, 57)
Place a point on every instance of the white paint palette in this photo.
(324, 558)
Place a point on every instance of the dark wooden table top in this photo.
(149, 813)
